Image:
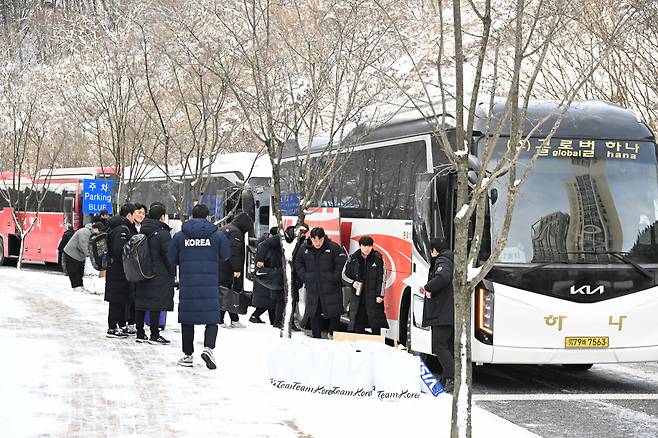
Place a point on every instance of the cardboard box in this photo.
(352, 337)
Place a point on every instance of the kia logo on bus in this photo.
(587, 290)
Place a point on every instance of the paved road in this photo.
(606, 401)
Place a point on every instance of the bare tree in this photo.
(495, 50)
(186, 101)
(27, 152)
(293, 86)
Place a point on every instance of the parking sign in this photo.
(97, 195)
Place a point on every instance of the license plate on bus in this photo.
(586, 342)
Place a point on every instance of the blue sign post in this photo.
(97, 195)
(289, 204)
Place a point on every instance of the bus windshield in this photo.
(585, 201)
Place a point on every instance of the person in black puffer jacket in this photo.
(319, 265)
(232, 274)
(269, 276)
(261, 299)
(155, 294)
(439, 309)
(119, 292)
(366, 273)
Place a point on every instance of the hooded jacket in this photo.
(157, 293)
(234, 232)
(440, 309)
(78, 246)
(321, 271)
(199, 249)
(117, 288)
(372, 273)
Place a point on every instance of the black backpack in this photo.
(65, 239)
(137, 261)
(99, 251)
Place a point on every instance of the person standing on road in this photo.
(119, 292)
(269, 276)
(366, 273)
(232, 274)
(299, 238)
(199, 249)
(155, 294)
(319, 264)
(439, 309)
(138, 218)
(75, 253)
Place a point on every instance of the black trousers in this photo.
(443, 340)
(75, 270)
(234, 316)
(260, 310)
(187, 332)
(130, 313)
(153, 323)
(116, 315)
(318, 323)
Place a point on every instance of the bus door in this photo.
(426, 225)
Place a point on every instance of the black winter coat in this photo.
(117, 288)
(440, 309)
(198, 249)
(157, 293)
(321, 271)
(235, 232)
(267, 292)
(374, 284)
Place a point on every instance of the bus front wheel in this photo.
(577, 366)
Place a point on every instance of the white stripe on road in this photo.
(562, 397)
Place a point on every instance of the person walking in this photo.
(439, 309)
(261, 298)
(319, 265)
(76, 251)
(155, 294)
(232, 274)
(365, 272)
(198, 250)
(269, 276)
(119, 292)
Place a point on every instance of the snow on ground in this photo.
(62, 377)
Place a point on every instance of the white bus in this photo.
(227, 175)
(576, 283)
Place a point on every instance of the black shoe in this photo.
(448, 384)
(278, 326)
(116, 333)
(294, 327)
(256, 320)
(142, 338)
(159, 341)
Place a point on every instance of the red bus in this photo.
(61, 208)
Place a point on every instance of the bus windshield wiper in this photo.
(620, 256)
(522, 272)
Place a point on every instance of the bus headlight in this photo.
(484, 313)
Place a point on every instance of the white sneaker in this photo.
(186, 361)
(226, 326)
(209, 358)
(78, 289)
(237, 324)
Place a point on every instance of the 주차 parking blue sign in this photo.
(97, 195)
